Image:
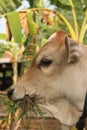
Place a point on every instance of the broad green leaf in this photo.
(15, 26)
(33, 27)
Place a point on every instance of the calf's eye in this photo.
(45, 62)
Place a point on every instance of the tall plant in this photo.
(76, 14)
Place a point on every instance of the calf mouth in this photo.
(29, 106)
(27, 102)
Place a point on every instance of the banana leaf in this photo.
(15, 26)
(33, 27)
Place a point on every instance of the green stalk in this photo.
(83, 34)
(84, 28)
(70, 28)
(75, 19)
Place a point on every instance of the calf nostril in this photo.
(10, 92)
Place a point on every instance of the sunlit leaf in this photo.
(33, 27)
(15, 26)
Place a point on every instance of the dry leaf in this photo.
(24, 22)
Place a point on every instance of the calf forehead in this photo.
(55, 42)
(49, 49)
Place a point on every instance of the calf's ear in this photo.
(74, 50)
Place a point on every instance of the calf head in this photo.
(55, 56)
(49, 75)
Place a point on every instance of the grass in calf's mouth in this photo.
(26, 106)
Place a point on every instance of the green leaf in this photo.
(17, 2)
(33, 27)
(15, 26)
(36, 3)
(60, 5)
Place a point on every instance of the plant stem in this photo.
(15, 76)
(75, 19)
(15, 72)
(84, 28)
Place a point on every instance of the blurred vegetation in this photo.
(9, 5)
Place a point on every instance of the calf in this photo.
(58, 74)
